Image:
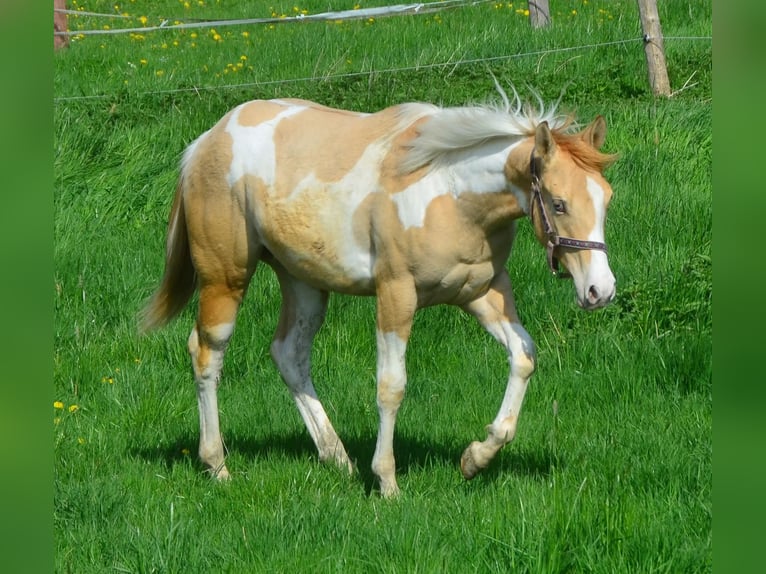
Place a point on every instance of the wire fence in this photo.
(356, 14)
(394, 10)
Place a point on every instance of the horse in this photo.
(415, 204)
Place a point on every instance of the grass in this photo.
(611, 469)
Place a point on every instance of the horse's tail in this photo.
(179, 280)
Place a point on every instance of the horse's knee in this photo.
(390, 393)
(523, 364)
(523, 356)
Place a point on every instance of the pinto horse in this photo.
(415, 204)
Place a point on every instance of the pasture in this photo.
(611, 467)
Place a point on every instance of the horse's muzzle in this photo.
(596, 297)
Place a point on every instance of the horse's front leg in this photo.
(396, 306)
(496, 311)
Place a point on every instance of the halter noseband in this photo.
(554, 239)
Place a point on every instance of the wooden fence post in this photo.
(539, 13)
(654, 48)
(59, 24)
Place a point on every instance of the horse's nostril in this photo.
(593, 294)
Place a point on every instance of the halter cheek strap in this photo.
(554, 239)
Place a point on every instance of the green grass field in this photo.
(611, 469)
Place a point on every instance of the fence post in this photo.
(59, 24)
(654, 47)
(539, 13)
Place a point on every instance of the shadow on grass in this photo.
(411, 454)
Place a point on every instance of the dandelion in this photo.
(109, 380)
(159, 73)
(143, 20)
(243, 58)
(143, 61)
(185, 451)
(58, 405)
(73, 408)
(193, 35)
(80, 440)
(245, 34)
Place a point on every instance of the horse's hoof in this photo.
(220, 474)
(468, 465)
(389, 492)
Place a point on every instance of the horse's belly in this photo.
(321, 265)
(323, 255)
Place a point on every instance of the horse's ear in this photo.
(595, 133)
(544, 144)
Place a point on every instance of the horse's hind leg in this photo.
(303, 311)
(218, 305)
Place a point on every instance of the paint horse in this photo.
(415, 205)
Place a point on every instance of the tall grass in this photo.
(611, 469)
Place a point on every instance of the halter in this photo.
(554, 239)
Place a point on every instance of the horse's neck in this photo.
(480, 169)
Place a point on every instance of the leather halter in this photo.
(554, 239)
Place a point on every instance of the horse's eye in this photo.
(560, 206)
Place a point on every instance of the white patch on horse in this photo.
(253, 151)
(478, 169)
(599, 275)
(346, 195)
(597, 197)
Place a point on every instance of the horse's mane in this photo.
(460, 128)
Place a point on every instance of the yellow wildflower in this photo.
(73, 408)
(58, 405)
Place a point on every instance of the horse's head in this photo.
(568, 207)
